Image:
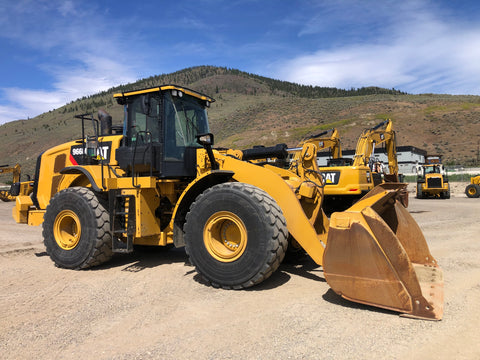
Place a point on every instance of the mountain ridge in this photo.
(254, 110)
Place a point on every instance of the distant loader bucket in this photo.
(377, 255)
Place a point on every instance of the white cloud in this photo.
(354, 66)
(32, 101)
(79, 59)
(89, 78)
(67, 8)
(70, 83)
(8, 113)
(417, 52)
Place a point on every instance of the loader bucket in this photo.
(377, 255)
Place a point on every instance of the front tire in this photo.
(76, 229)
(472, 191)
(447, 193)
(419, 191)
(235, 235)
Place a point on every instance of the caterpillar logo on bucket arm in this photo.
(163, 183)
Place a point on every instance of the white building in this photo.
(407, 156)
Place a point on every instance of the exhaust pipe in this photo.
(105, 122)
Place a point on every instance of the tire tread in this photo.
(277, 243)
(102, 249)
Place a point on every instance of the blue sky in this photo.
(53, 52)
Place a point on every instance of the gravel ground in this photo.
(153, 305)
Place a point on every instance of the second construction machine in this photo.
(6, 190)
(472, 190)
(9, 192)
(432, 179)
(157, 180)
(327, 139)
(348, 181)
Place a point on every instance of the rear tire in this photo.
(76, 229)
(472, 191)
(235, 235)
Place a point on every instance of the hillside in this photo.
(251, 110)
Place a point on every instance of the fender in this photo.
(189, 195)
(80, 170)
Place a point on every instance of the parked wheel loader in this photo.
(472, 190)
(158, 180)
(432, 179)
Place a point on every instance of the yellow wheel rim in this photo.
(472, 191)
(225, 236)
(67, 229)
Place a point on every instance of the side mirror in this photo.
(205, 139)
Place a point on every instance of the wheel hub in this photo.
(67, 230)
(225, 236)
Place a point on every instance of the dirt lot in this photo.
(153, 305)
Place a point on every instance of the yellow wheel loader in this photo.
(473, 189)
(157, 180)
(432, 179)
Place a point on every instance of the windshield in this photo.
(432, 170)
(185, 118)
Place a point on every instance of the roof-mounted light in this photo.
(176, 92)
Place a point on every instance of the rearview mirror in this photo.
(205, 139)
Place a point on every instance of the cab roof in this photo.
(121, 96)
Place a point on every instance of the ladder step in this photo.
(122, 221)
(119, 246)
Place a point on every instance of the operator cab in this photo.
(160, 130)
(422, 170)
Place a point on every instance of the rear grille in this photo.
(434, 183)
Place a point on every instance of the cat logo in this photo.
(78, 153)
(331, 177)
